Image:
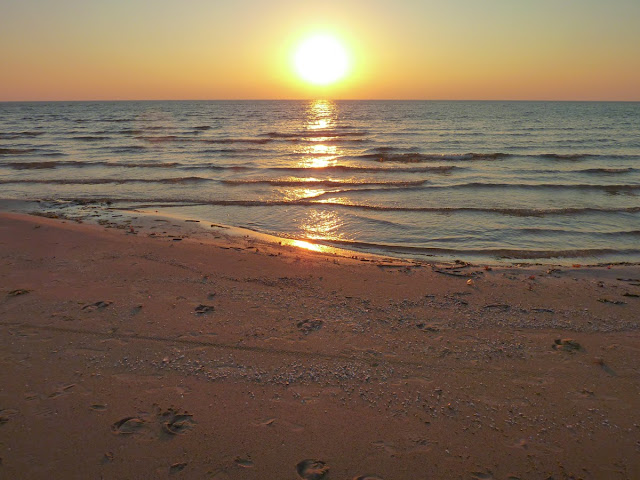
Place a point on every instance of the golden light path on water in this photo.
(319, 156)
(321, 117)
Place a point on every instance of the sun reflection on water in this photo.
(321, 114)
(322, 225)
(301, 193)
(320, 123)
(319, 156)
(321, 150)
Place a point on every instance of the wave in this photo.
(77, 164)
(32, 165)
(386, 154)
(231, 151)
(17, 151)
(322, 183)
(347, 168)
(129, 131)
(102, 181)
(31, 152)
(320, 133)
(278, 183)
(544, 186)
(90, 138)
(140, 131)
(429, 157)
(504, 253)
(566, 156)
(138, 165)
(114, 120)
(332, 141)
(610, 189)
(556, 231)
(518, 212)
(591, 171)
(606, 171)
(80, 164)
(165, 139)
(444, 169)
(128, 149)
(224, 141)
(16, 135)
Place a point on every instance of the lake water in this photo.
(550, 182)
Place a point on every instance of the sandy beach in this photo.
(140, 352)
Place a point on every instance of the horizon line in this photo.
(315, 99)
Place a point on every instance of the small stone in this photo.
(177, 467)
(202, 309)
(19, 291)
(567, 345)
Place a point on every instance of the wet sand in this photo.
(137, 353)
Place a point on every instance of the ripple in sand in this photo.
(310, 469)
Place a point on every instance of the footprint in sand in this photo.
(312, 469)
(62, 390)
(481, 476)
(98, 305)
(128, 426)
(175, 423)
(243, 462)
(6, 415)
(171, 422)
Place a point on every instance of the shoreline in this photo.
(167, 356)
(103, 214)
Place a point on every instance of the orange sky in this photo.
(215, 49)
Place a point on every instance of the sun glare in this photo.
(321, 60)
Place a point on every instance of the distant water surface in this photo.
(551, 182)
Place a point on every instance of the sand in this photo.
(129, 353)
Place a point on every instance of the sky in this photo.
(244, 49)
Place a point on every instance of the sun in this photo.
(321, 60)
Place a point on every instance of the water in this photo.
(552, 182)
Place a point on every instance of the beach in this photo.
(139, 350)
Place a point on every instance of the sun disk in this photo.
(321, 60)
